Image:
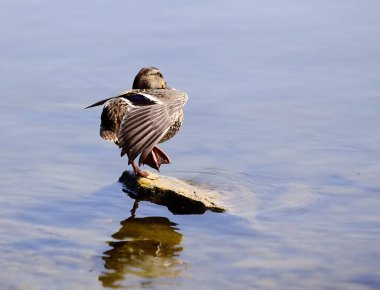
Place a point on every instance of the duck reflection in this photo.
(145, 247)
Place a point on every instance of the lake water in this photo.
(283, 119)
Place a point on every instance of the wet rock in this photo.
(178, 196)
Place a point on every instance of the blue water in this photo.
(283, 119)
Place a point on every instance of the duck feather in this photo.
(144, 126)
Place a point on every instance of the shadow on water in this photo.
(147, 248)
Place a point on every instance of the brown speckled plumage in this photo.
(111, 118)
(173, 128)
(139, 119)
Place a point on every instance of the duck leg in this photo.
(138, 171)
(156, 157)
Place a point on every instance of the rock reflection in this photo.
(144, 247)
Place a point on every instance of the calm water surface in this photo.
(283, 119)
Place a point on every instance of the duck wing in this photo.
(99, 103)
(132, 96)
(115, 109)
(143, 126)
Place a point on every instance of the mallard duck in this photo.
(138, 119)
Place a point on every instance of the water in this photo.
(283, 119)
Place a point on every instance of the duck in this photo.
(139, 119)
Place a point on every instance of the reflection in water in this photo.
(146, 248)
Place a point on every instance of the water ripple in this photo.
(258, 193)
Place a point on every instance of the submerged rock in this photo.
(177, 195)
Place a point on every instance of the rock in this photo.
(178, 196)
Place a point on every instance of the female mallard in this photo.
(138, 119)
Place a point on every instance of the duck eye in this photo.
(159, 74)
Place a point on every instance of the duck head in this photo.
(149, 78)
